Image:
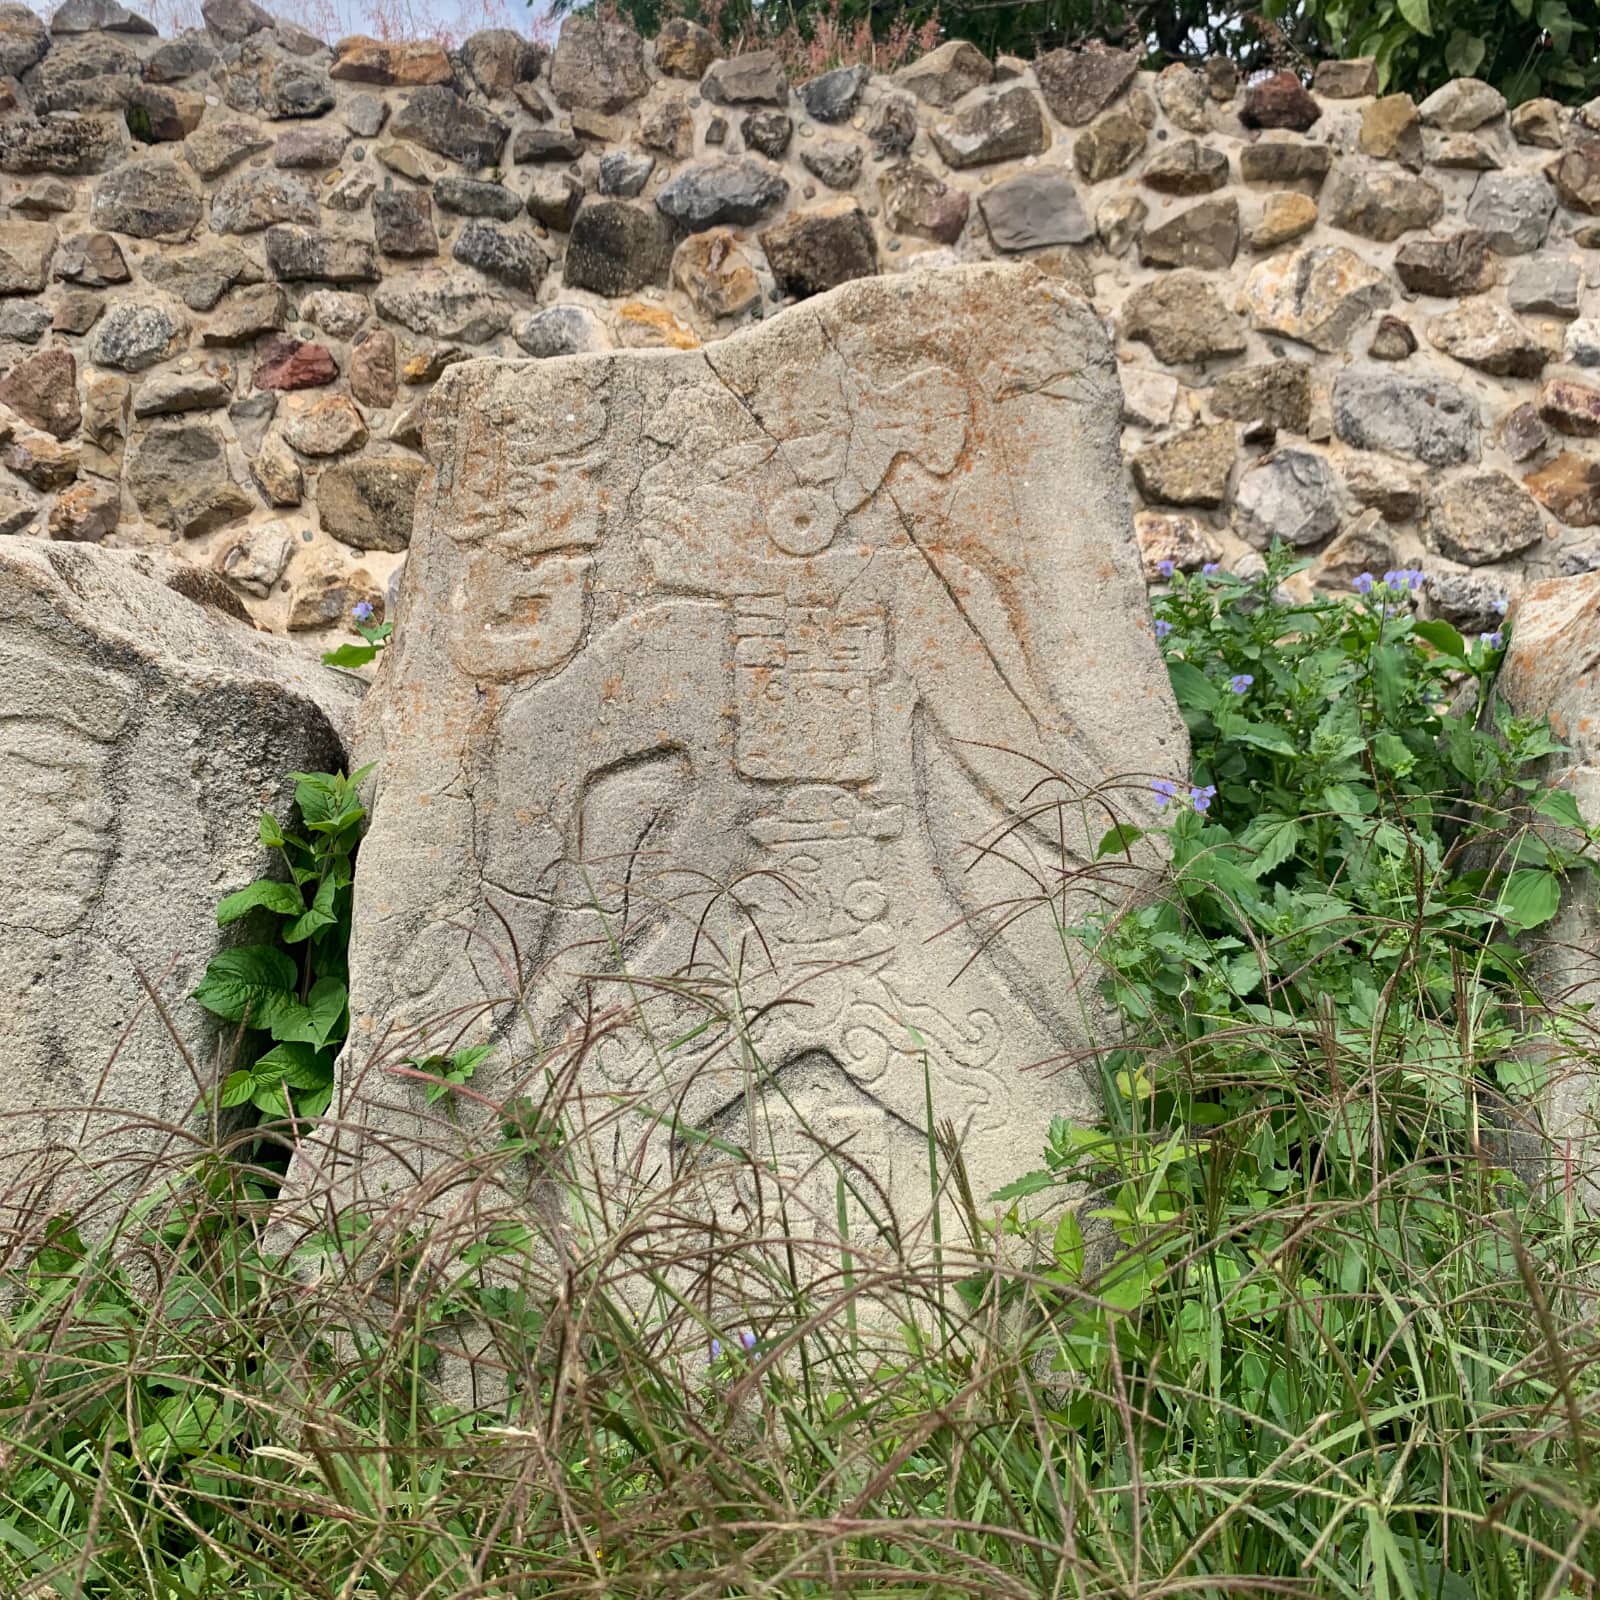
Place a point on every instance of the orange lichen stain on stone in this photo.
(424, 799)
(611, 687)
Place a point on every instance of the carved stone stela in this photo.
(720, 669)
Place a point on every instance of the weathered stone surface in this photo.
(1391, 130)
(820, 247)
(1346, 80)
(1459, 265)
(617, 247)
(64, 143)
(716, 274)
(44, 390)
(625, 172)
(1523, 433)
(1117, 221)
(92, 259)
(1513, 209)
(373, 369)
(1392, 340)
(1184, 97)
(1481, 518)
(26, 249)
(668, 125)
(390, 62)
(149, 199)
(1033, 210)
(893, 128)
(1079, 84)
(297, 255)
(179, 58)
(1285, 216)
(710, 194)
(173, 393)
(1568, 406)
(1577, 174)
(369, 503)
(1319, 295)
(178, 473)
(243, 316)
(444, 305)
(134, 336)
(257, 199)
(94, 72)
(554, 198)
(1537, 122)
(570, 330)
(1462, 105)
(277, 471)
(328, 596)
(836, 162)
(23, 40)
(40, 459)
(216, 147)
(1474, 602)
(1205, 236)
(499, 59)
(1000, 126)
(1182, 318)
(1428, 419)
(440, 120)
(1276, 392)
(755, 762)
(917, 202)
(1547, 286)
(1190, 167)
(84, 513)
(1465, 152)
(946, 73)
(833, 96)
(256, 559)
(472, 197)
(1387, 487)
(23, 321)
(278, 85)
(327, 426)
(754, 78)
(1381, 205)
(1363, 545)
(121, 704)
(1481, 334)
(1111, 146)
(1293, 496)
(402, 223)
(1189, 470)
(598, 65)
(1279, 101)
(284, 362)
(684, 49)
(1169, 544)
(502, 253)
(1568, 487)
(235, 20)
(309, 148)
(162, 116)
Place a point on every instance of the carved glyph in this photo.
(756, 693)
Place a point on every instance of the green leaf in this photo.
(325, 1006)
(1464, 53)
(1272, 839)
(1069, 1245)
(253, 981)
(1117, 840)
(189, 1424)
(271, 834)
(1528, 899)
(376, 636)
(320, 914)
(1029, 1183)
(350, 655)
(1560, 806)
(1195, 691)
(284, 898)
(1445, 639)
(1392, 754)
(1263, 736)
(1416, 13)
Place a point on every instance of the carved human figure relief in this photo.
(791, 672)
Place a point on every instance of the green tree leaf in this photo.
(253, 982)
(1416, 13)
(284, 898)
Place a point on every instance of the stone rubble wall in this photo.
(233, 263)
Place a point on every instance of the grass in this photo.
(1311, 1312)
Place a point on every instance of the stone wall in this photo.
(232, 264)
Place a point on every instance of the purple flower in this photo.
(362, 611)
(748, 1339)
(1405, 579)
(1500, 606)
(716, 1348)
(1163, 627)
(1202, 798)
(1240, 682)
(1491, 641)
(1211, 569)
(1364, 583)
(1166, 791)
(1166, 568)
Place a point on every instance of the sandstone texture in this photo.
(803, 608)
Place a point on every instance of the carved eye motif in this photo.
(803, 521)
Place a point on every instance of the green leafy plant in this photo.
(374, 636)
(289, 993)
